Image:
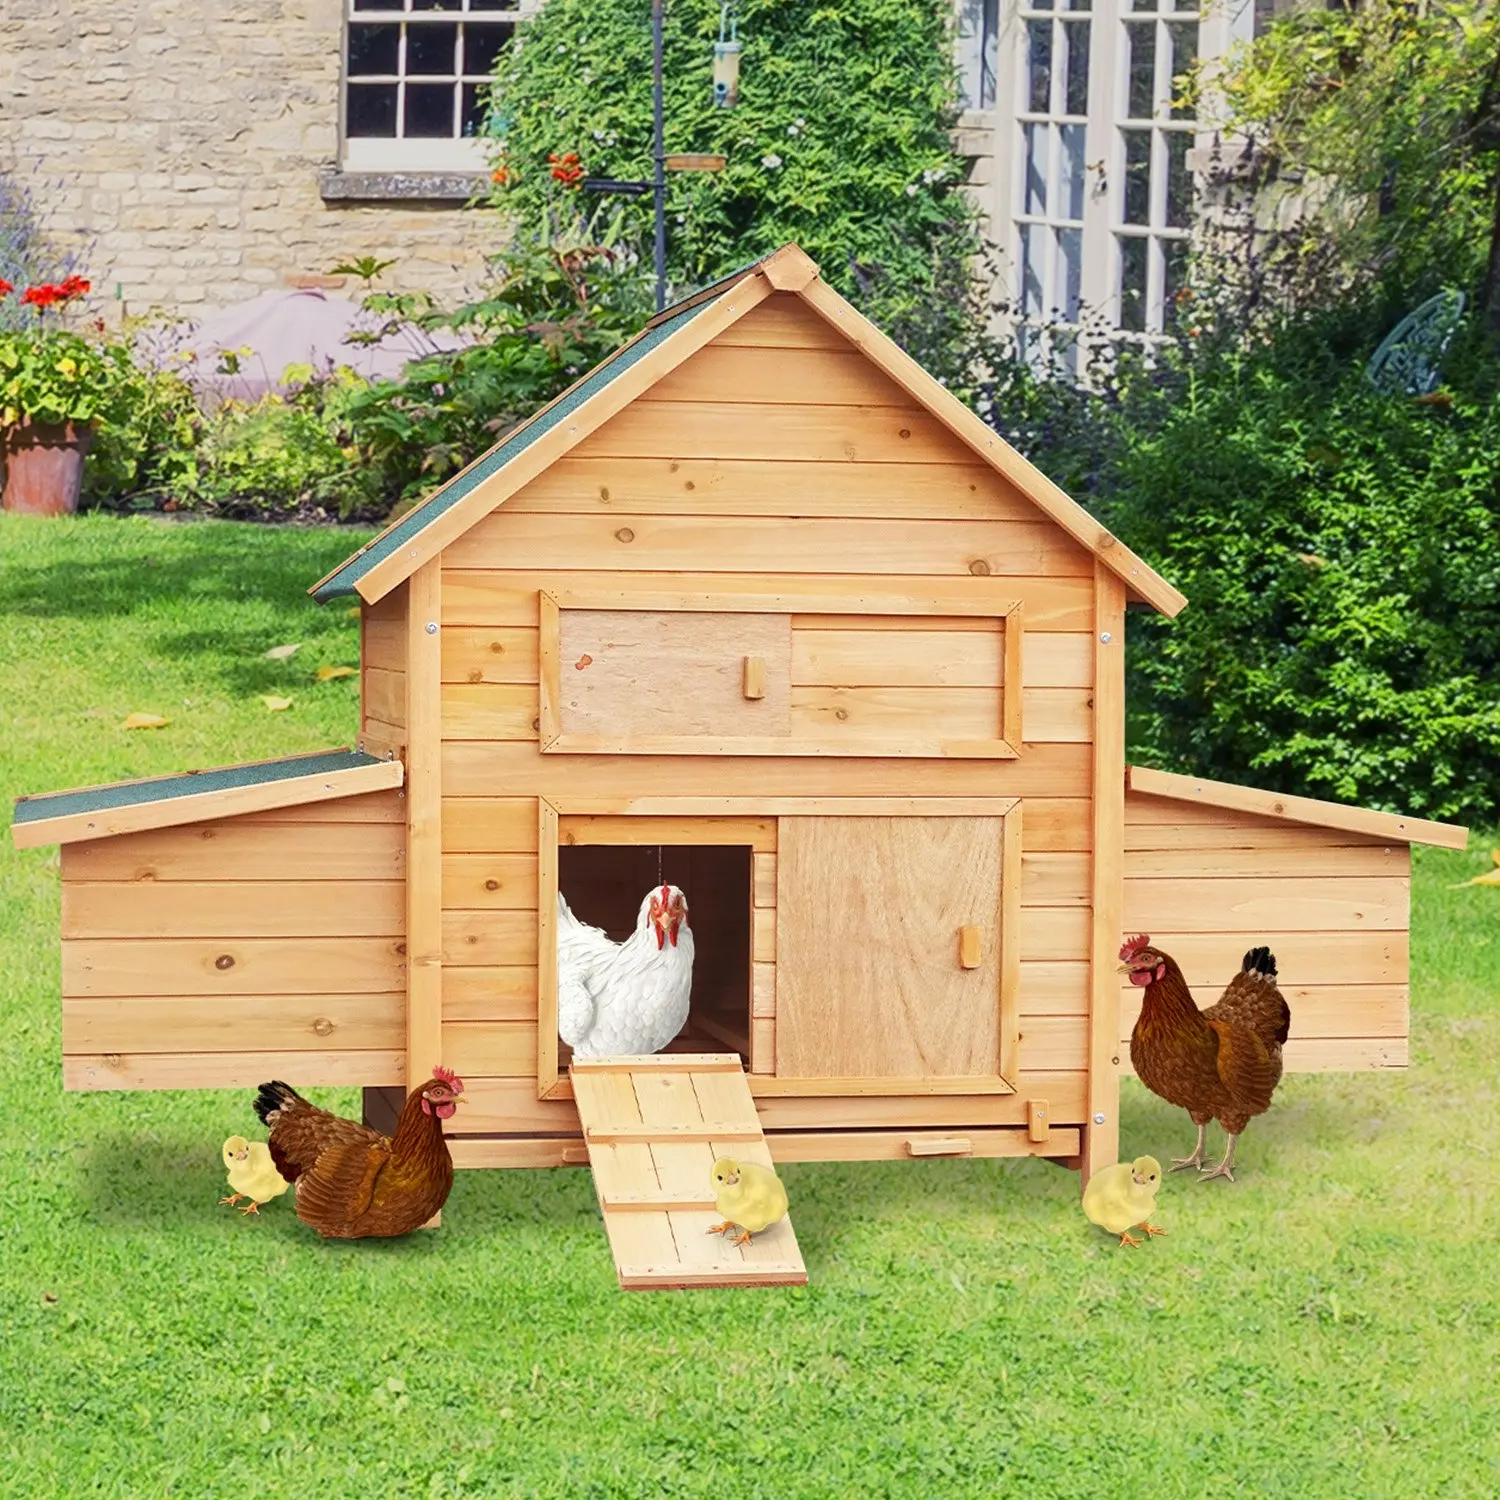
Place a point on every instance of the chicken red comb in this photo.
(448, 1076)
(1133, 946)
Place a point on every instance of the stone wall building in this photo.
(192, 156)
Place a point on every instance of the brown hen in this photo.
(352, 1182)
(1220, 1064)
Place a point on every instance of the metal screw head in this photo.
(1105, 636)
(1098, 1119)
(432, 627)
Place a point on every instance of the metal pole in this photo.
(659, 180)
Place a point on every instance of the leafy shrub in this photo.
(840, 143)
(1340, 550)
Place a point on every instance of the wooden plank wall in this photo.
(382, 698)
(775, 458)
(1209, 884)
(217, 955)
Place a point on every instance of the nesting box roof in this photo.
(666, 341)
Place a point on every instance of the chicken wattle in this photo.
(630, 998)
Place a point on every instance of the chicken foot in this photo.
(1224, 1168)
(723, 1228)
(1196, 1159)
(232, 1200)
(252, 1207)
(1129, 1239)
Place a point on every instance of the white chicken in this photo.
(625, 999)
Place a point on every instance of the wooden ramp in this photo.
(654, 1127)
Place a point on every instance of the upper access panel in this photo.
(635, 673)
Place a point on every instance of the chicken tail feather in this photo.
(1260, 961)
(272, 1097)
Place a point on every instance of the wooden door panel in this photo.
(869, 979)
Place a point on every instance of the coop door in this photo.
(896, 960)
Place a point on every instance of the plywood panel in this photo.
(475, 769)
(489, 825)
(485, 881)
(870, 986)
(710, 544)
(238, 966)
(1284, 902)
(229, 909)
(487, 938)
(629, 672)
(244, 849)
(206, 1023)
(504, 654)
(770, 487)
(492, 598)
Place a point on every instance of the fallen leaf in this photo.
(275, 704)
(49, 1296)
(327, 674)
(144, 721)
(280, 653)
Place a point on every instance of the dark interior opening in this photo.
(604, 885)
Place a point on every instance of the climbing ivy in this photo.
(841, 142)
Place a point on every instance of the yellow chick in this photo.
(750, 1197)
(1122, 1196)
(252, 1173)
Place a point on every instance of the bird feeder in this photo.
(727, 62)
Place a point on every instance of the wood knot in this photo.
(498, 647)
(841, 713)
(1278, 807)
(690, 485)
(673, 467)
(905, 432)
(536, 725)
(206, 833)
(582, 662)
(492, 885)
(323, 1026)
(604, 493)
(476, 676)
(979, 568)
(624, 534)
(224, 961)
(401, 949)
(113, 1060)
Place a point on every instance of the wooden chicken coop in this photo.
(756, 608)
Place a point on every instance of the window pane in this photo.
(1039, 67)
(374, 49)
(978, 44)
(1040, 5)
(436, 5)
(431, 50)
(429, 110)
(483, 46)
(1070, 273)
(1184, 38)
(1137, 177)
(372, 109)
(1080, 4)
(1070, 170)
(473, 108)
(1035, 137)
(1140, 45)
(378, 4)
(1033, 246)
(1076, 85)
(1132, 283)
(1179, 180)
(494, 4)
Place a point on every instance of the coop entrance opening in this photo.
(604, 885)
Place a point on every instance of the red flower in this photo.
(5, 287)
(74, 286)
(50, 293)
(39, 296)
(566, 168)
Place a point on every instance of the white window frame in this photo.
(1221, 23)
(413, 154)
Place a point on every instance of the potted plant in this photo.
(55, 388)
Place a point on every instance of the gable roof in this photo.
(93, 812)
(666, 341)
(1248, 799)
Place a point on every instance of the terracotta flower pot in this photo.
(43, 466)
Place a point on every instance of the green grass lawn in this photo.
(1330, 1325)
